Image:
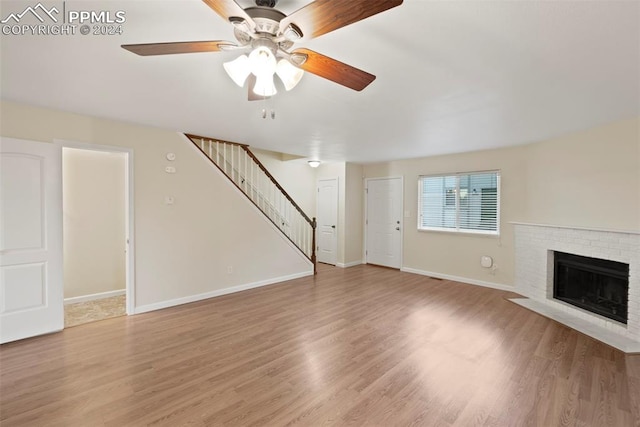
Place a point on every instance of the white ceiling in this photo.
(452, 76)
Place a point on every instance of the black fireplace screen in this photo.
(597, 285)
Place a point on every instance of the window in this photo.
(468, 202)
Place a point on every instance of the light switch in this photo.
(168, 200)
(407, 214)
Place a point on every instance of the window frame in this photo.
(457, 229)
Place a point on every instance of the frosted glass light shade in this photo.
(262, 62)
(289, 74)
(238, 69)
(314, 163)
(264, 85)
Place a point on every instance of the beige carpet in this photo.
(90, 311)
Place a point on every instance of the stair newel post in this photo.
(313, 245)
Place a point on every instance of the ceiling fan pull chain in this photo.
(272, 101)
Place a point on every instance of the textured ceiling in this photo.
(452, 76)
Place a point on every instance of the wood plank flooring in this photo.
(358, 346)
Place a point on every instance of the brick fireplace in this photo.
(535, 246)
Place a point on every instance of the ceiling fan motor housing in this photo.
(267, 25)
(266, 3)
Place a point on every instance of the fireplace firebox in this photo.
(597, 285)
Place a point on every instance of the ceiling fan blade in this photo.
(229, 8)
(323, 16)
(149, 49)
(252, 96)
(332, 69)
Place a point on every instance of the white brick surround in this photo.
(534, 267)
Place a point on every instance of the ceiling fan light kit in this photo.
(289, 74)
(238, 69)
(269, 35)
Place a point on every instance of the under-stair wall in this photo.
(251, 177)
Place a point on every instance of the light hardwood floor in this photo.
(359, 346)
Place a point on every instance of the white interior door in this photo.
(327, 229)
(31, 292)
(384, 222)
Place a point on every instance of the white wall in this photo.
(182, 251)
(94, 221)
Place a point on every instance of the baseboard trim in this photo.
(218, 292)
(92, 297)
(459, 279)
(349, 264)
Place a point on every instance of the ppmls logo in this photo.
(16, 17)
(40, 20)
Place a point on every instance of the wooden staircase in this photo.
(251, 177)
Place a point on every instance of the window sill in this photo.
(494, 234)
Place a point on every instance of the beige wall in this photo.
(459, 254)
(354, 213)
(185, 249)
(587, 179)
(94, 221)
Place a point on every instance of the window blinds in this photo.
(461, 202)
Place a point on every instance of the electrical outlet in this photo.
(230, 269)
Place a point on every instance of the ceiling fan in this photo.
(269, 34)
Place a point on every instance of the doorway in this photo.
(383, 222)
(327, 250)
(97, 220)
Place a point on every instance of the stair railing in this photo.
(251, 177)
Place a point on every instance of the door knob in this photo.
(398, 228)
(333, 226)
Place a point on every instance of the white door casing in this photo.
(31, 287)
(327, 247)
(384, 222)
